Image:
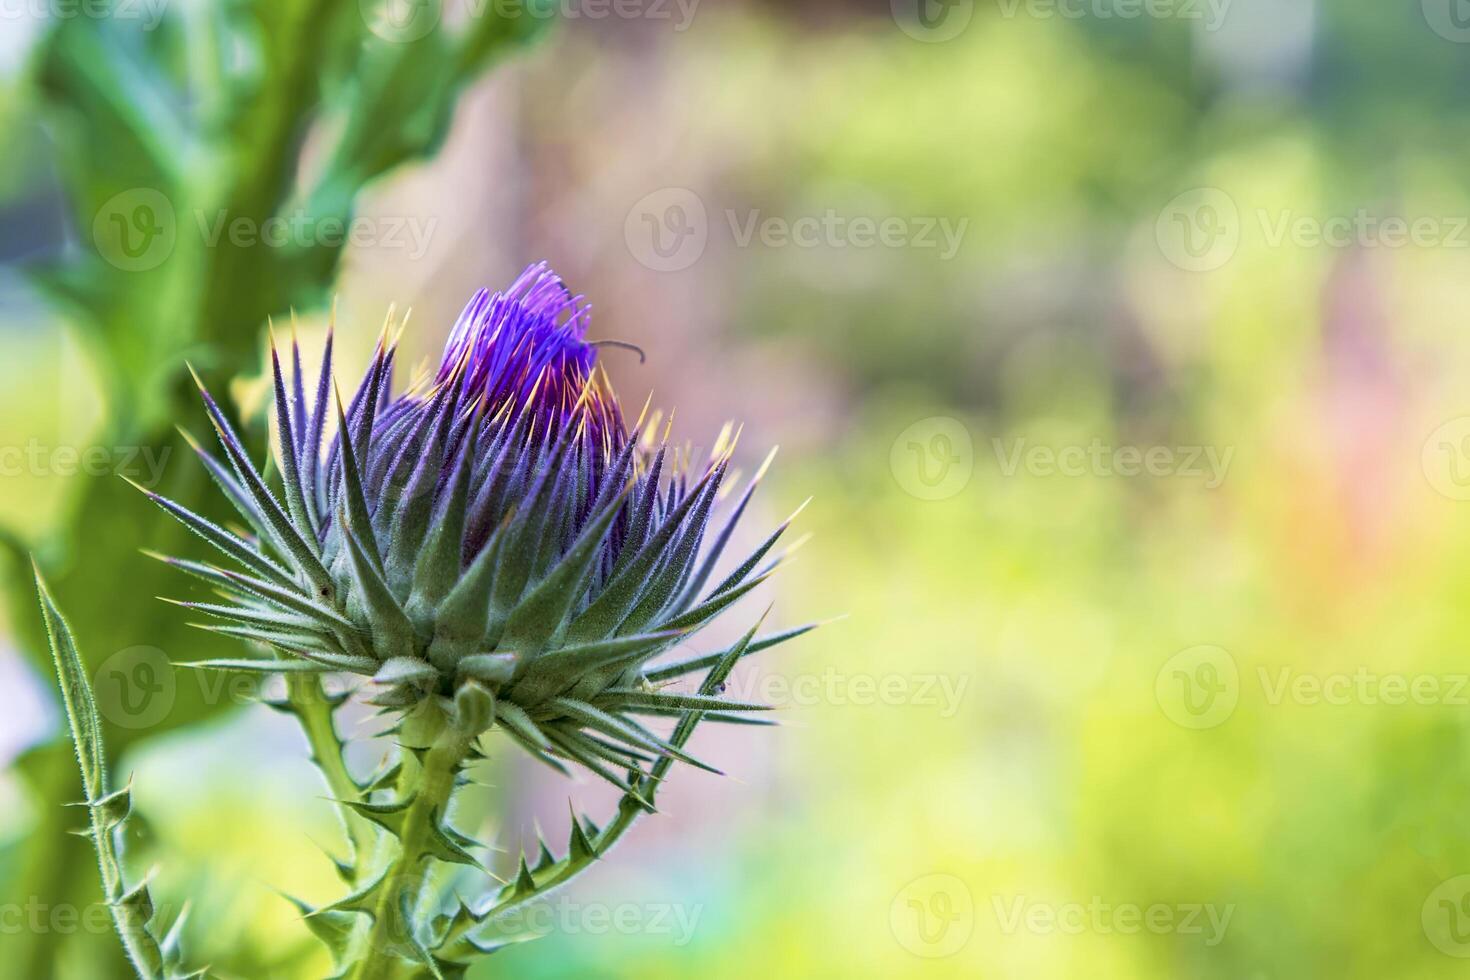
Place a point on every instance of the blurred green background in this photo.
(1121, 344)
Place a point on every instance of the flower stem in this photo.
(310, 703)
(429, 789)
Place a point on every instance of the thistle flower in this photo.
(492, 546)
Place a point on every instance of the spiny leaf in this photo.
(391, 630)
(580, 749)
(248, 666)
(618, 728)
(463, 617)
(631, 700)
(438, 567)
(290, 446)
(297, 547)
(713, 553)
(445, 847)
(745, 567)
(362, 901)
(76, 696)
(540, 615)
(131, 908)
(333, 927)
(559, 669)
(389, 816)
(355, 500)
(580, 847)
(525, 883)
(406, 670)
(612, 606)
(492, 668)
(227, 543)
(679, 669)
(405, 909)
(256, 616)
(712, 606)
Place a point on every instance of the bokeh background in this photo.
(1121, 344)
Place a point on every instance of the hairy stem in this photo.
(429, 790)
(313, 708)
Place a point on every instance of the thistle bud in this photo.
(493, 539)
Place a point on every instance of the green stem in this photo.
(130, 920)
(313, 709)
(430, 789)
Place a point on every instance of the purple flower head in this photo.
(525, 347)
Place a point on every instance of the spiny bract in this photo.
(495, 532)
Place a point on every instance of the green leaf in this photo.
(76, 696)
(132, 908)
